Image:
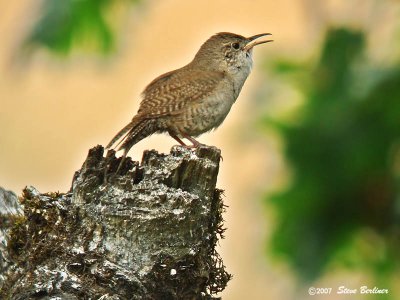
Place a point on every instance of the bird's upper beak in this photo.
(251, 43)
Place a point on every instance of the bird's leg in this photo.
(195, 143)
(177, 139)
(188, 137)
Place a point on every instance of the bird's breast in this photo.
(209, 112)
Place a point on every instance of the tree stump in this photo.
(146, 232)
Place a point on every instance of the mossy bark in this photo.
(148, 232)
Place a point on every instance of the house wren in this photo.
(195, 98)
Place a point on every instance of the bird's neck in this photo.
(239, 79)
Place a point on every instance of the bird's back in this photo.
(171, 92)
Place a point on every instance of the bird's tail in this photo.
(138, 129)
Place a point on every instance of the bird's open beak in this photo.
(251, 44)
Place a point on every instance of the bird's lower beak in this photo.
(253, 43)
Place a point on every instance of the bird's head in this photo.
(227, 51)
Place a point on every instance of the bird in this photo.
(196, 98)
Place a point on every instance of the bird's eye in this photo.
(235, 46)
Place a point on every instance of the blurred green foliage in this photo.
(344, 155)
(68, 24)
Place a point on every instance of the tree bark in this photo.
(141, 231)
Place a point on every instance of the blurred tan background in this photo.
(53, 110)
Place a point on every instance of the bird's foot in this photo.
(195, 143)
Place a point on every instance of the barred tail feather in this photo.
(138, 129)
(142, 130)
(122, 132)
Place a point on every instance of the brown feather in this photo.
(123, 131)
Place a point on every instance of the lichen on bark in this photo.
(147, 232)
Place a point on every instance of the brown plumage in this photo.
(196, 98)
